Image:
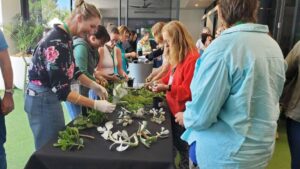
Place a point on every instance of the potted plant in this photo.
(26, 35)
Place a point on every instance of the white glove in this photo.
(104, 106)
(101, 91)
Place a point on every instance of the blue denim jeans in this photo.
(2, 141)
(293, 134)
(45, 114)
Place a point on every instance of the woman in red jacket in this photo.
(182, 55)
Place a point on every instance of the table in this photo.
(96, 153)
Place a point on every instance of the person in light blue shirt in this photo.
(232, 118)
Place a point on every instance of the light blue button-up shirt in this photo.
(235, 99)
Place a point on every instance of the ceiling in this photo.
(184, 4)
(192, 4)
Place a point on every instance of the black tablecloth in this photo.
(96, 153)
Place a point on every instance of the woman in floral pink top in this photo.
(50, 74)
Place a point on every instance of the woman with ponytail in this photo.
(52, 70)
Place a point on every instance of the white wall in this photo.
(192, 19)
(8, 9)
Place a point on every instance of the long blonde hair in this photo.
(156, 31)
(86, 10)
(123, 29)
(182, 42)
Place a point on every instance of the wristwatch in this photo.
(10, 91)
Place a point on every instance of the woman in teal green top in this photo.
(232, 117)
(124, 35)
(86, 59)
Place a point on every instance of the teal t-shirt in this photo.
(124, 60)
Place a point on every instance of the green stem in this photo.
(86, 136)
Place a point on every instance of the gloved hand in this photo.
(104, 106)
(101, 91)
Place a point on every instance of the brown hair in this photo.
(234, 11)
(101, 33)
(111, 28)
(123, 29)
(156, 31)
(85, 9)
(182, 42)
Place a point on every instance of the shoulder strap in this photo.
(112, 54)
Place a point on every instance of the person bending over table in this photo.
(51, 72)
(110, 60)
(182, 55)
(159, 53)
(86, 59)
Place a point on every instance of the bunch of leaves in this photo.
(137, 98)
(97, 117)
(93, 119)
(69, 139)
(146, 93)
(133, 107)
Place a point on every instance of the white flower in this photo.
(101, 129)
(109, 125)
(121, 148)
(106, 134)
(116, 135)
(165, 132)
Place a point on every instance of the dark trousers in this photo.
(293, 133)
(181, 146)
(2, 140)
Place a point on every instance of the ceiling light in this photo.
(196, 5)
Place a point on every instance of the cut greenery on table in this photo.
(70, 139)
(94, 118)
(136, 99)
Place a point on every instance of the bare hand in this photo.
(179, 118)
(114, 77)
(7, 104)
(101, 80)
(133, 55)
(159, 87)
(149, 78)
(125, 76)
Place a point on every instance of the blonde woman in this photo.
(124, 35)
(162, 70)
(143, 45)
(182, 55)
(51, 73)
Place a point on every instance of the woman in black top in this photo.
(50, 74)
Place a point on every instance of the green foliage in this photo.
(97, 117)
(26, 34)
(45, 10)
(93, 119)
(136, 99)
(69, 139)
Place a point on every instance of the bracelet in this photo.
(77, 99)
(10, 91)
